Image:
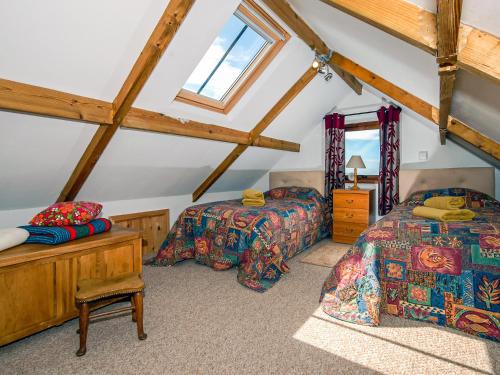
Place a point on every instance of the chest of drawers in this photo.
(353, 212)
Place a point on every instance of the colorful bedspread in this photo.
(57, 235)
(444, 273)
(259, 240)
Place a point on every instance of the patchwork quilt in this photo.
(411, 267)
(258, 240)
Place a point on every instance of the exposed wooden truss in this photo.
(256, 131)
(284, 11)
(418, 105)
(390, 17)
(37, 100)
(156, 45)
(478, 51)
(157, 122)
(22, 97)
(448, 25)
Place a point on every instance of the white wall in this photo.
(176, 204)
(417, 134)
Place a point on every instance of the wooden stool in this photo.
(93, 290)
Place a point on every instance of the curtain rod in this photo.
(360, 113)
(364, 113)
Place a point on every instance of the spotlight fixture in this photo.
(323, 69)
(320, 63)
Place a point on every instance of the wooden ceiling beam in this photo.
(418, 105)
(256, 131)
(448, 25)
(141, 119)
(16, 96)
(284, 11)
(21, 97)
(156, 45)
(478, 51)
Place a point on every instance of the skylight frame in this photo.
(251, 14)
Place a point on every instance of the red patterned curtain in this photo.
(334, 155)
(388, 182)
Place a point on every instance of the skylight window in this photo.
(246, 44)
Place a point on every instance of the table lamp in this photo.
(355, 162)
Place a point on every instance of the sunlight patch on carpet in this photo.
(400, 345)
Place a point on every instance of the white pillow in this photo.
(11, 237)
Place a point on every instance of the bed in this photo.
(257, 240)
(443, 273)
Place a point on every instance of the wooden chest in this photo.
(353, 212)
(38, 282)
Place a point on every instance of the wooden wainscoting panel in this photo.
(154, 226)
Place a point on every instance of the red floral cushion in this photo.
(67, 213)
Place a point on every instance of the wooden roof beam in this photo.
(156, 45)
(141, 119)
(284, 11)
(478, 51)
(16, 96)
(424, 109)
(448, 25)
(256, 131)
(21, 97)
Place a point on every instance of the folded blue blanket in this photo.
(57, 235)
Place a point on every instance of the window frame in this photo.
(252, 72)
(360, 126)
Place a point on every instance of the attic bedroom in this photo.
(252, 186)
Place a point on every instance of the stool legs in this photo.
(134, 317)
(84, 326)
(138, 315)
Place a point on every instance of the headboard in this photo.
(314, 179)
(480, 179)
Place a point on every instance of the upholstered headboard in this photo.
(314, 179)
(480, 179)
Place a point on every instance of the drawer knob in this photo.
(349, 215)
(350, 201)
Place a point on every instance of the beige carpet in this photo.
(326, 253)
(203, 322)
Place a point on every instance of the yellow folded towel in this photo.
(443, 215)
(253, 194)
(253, 202)
(445, 203)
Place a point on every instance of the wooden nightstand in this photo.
(353, 212)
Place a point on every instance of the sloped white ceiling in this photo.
(481, 14)
(476, 100)
(71, 46)
(89, 47)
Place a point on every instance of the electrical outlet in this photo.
(422, 155)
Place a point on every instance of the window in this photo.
(244, 47)
(363, 140)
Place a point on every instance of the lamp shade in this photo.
(355, 162)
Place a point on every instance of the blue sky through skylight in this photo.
(367, 144)
(243, 52)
